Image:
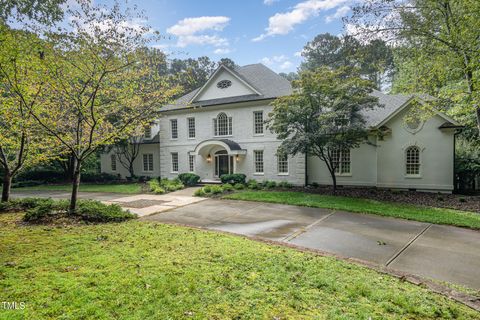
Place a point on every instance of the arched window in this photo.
(412, 161)
(222, 125)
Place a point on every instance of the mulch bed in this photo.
(430, 199)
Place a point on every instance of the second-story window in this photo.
(174, 128)
(222, 125)
(258, 122)
(191, 127)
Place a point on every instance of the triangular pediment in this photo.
(224, 83)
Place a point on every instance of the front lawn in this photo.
(129, 188)
(418, 213)
(141, 270)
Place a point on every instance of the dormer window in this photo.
(147, 132)
(224, 84)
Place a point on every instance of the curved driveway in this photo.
(440, 252)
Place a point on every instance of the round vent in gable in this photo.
(223, 84)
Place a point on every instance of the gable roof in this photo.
(270, 85)
(261, 79)
(226, 69)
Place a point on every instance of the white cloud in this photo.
(200, 31)
(279, 62)
(222, 51)
(269, 2)
(298, 54)
(283, 23)
(189, 26)
(340, 13)
(286, 65)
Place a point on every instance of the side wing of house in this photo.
(146, 164)
(417, 155)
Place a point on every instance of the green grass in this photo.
(130, 188)
(141, 270)
(424, 214)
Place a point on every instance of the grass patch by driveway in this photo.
(141, 270)
(424, 214)
(129, 188)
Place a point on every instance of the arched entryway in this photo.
(217, 157)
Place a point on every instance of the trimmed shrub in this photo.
(199, 193)
(217, 189)
(233, 178)
(285, 185)
(171, 185)
(227, 187)
(269, 184)
(315, 184)
(189, 179)
(24, 204)
(207, 189)
(253, 184)
(239, 186)
(87, 210)
(95, 211)
(99, 177)
(154, 186)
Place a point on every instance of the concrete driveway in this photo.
(440, 252)
(140, 204)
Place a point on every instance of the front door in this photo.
(222, 165)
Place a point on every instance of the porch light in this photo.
(209, 158)
(237, 158)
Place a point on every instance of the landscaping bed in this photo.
(430, 199)
(140, 270)
(48, 211)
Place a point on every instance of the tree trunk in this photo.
(7, 183)
(75, 186)
(334, 180)
(131, 171)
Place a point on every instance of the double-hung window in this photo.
(113, 162)
(341, 161)
(282, 163)
(174, 128)
(258, 122)
(148, 162)
(258, 161)
(174, 161)
(191, 128)
(191, 163)
(148, 132)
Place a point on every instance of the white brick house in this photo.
(218, 129)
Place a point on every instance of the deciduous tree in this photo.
(323, 115)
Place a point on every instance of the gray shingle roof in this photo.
(271, 85)
(390, 103)
(264, 80)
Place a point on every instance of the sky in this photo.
(272, 32)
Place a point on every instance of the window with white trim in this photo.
(174, 128)
(147, 132)
(341, 161)
(222, 125)
(412, 161)
(191, 127)
(174, 161)
(258, 122)
(282, 162)
(113, 162)
(148, 162)
(191, 162)
(258, 161)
